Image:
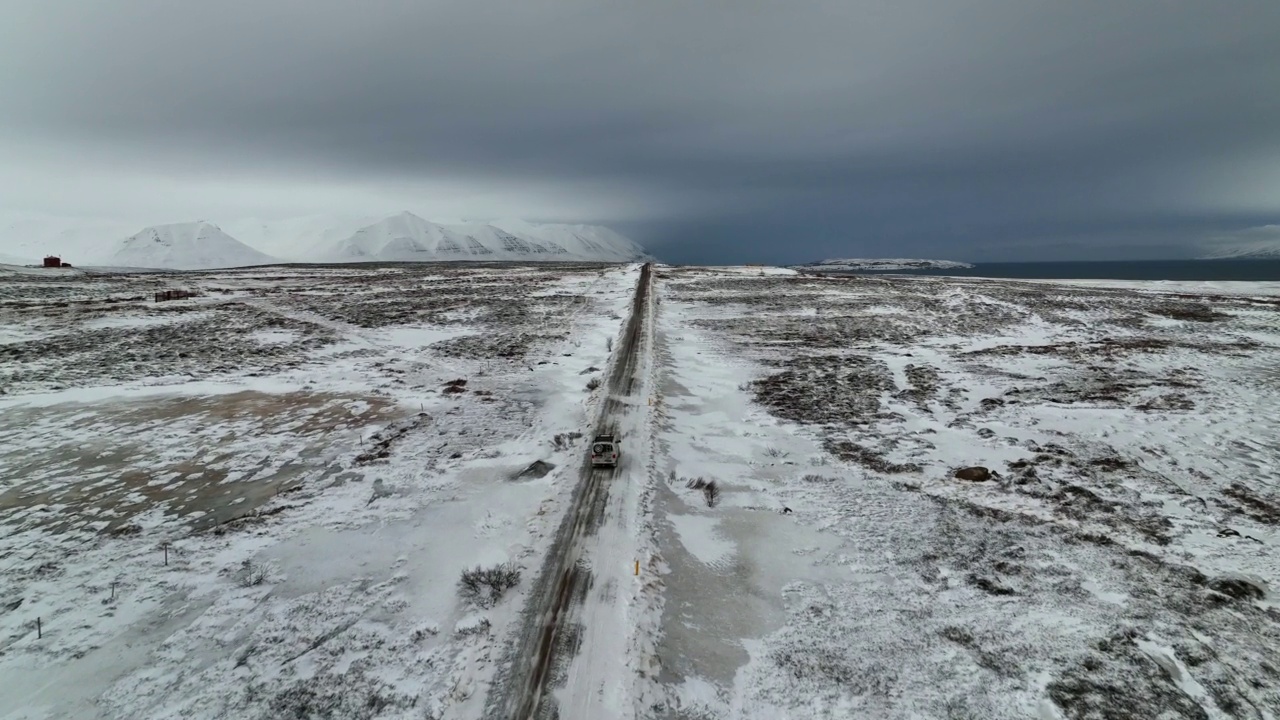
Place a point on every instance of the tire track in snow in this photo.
(547, 641)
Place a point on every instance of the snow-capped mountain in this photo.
(407, 237)
(185, 246)
(1259, 243)
(1259, 251)
(315, 238)
(300, 239)
(403, 237)
(586, 241)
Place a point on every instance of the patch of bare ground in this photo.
(1117, 348)
(1110, 348)
(785, 292)
(1196, 312)
(833, 392)
(827, 331)
(850, 451)
(508, 346)
(1090, 490)
(221, 340)
(378, 446)
(1134, 673)
(826, 389)
(418, 299)
(1101, 384)
(907, 313)
(1245, 501)
(924, 380)
(257, 516)
(380, 309)
(1167, 402)
(1116, 680)
(1171, 608)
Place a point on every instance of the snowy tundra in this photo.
(841, 497)
(257, 503)
(950, 498)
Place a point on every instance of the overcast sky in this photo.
(711, 131)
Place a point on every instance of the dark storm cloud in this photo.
(951, 127)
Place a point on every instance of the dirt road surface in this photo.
(550, 636)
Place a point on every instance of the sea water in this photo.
(1112, 270)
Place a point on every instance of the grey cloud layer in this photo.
(993, 116)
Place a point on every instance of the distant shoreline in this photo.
(1217, 269)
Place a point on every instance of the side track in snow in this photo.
(542, 645)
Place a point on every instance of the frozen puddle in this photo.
(700, 536)
(422, 336)
(208, 458)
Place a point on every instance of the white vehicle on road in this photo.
(605, 450)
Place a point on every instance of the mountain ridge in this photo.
(1260, 243)
(408, 237)
(308, 239)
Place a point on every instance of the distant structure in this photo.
(165, 295)
(53, 261)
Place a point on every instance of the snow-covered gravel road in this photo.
(567, 660)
